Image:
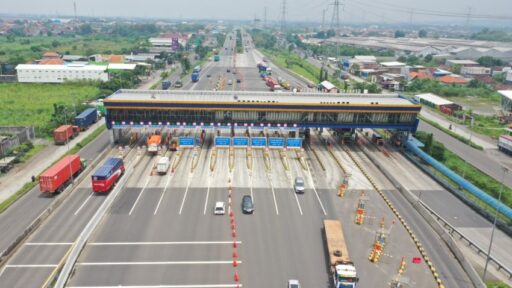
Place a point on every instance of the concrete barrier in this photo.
(450, 242)
(9, 251)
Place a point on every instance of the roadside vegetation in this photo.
(459, 166)
(451, 133)
(494, 284)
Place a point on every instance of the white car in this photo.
(220, 208)
(293, 283)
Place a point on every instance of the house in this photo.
(391, 81)
(51, 55)
(452, 79)
(462, 63)
(437, 102)
(393, 67)
(475, 70)
(29, 73)
(51, 61)
(506, 100)
(328, 87)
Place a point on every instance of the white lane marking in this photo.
(273, 192)
(32, 266)
(314, 188)
(2, 271)
(293, 189)
(83, 204)
(140, 194)
(209, 180)
(156, 263)
(167, 286)
(49, 243)
(169, 177)
(163, 243)
(186, 192)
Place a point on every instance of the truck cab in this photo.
(345, 276)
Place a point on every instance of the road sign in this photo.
(240, 141)
(222, 141)
(276, 142)
(258, 142)
(294, 143)
(186, 142)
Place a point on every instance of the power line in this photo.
(323, 20)
(335, 22)
(283, 15)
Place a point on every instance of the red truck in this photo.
(55, 178)
(64, 133)
(271, 82)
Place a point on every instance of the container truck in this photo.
(107, 175)
(88, 117)
(64, 133)
(285, 84)
(271, 82)
(195, 76)
(55, 178)
(166, 84)
(154, 142)
(342, 268)
(162, 166)
(216, 58)
(262, 67)
(505, 143)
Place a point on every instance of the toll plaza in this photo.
(280, 118)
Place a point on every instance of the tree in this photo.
(85, 29)
(164, 74)
(422, 33)
(428, 58)
(402, 59)
(55, 43)
(456, 69)
(489, 61)
(399, 34)
(355, 68)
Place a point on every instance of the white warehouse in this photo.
(29, 73)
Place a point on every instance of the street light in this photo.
(505, 170)
(67, 143)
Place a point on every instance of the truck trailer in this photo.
(342, 268)
(64, 133)
(154, 141)
(195, 76)
(85, 119)
(505, 144)
(55, 178)
(107, 175)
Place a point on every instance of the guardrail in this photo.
(451, 230)
(436, 226)
(9, 251)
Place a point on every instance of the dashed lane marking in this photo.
(163, 243)
(230, 262)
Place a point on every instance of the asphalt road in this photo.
(473, 156)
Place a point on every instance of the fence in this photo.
(17, 136)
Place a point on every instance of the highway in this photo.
(161, 230)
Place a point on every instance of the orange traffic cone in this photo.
(236, 277)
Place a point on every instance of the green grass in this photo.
(451, 133)
(30, 104)
(22, 46)
(494, 284)
(303, 68)
(32, 152)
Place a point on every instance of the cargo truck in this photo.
(55, 178)
(154, 142)
(85, 119)
(285, 84)
(64, 133)
(162, 166)
(505, 144)
(342, 268)
(166, 84)
(262, 67)
(107, 175)
(271, 82)
(195, 76)
(216, 58)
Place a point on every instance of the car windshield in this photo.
(219, 208)
(294, 286)
(299, 182)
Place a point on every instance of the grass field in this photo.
(30, 48)
(32, 104)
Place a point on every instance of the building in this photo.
(29, 73)
(506, 100)
(393, 67)
(475, 70)
(452, 79)
(328, 87)
(508, 78)
(437, 102)
(462, 63)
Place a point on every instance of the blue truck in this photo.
(195, 76)
(88, 117)
(166, 84)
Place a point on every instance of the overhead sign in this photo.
(276, 142)
(294, 143)
(222, 141)
(240, 141)
(258, 142)
(187, 142)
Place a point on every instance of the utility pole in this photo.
(411, 14)
(335, 22)
(265, 17)
(323, 20)
(74, 9)
(468, 18)
(283, 15)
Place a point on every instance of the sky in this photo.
(364, 11)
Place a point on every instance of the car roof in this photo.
(219, 203)
(293, 281)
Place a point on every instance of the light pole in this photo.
(67, 143)
(505, 170)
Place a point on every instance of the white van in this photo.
(162, 166)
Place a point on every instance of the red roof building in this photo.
(450, 79)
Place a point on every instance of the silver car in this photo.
(298, 185)
(292, 283)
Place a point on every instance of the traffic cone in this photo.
(235, 255)
(235, 263)
(236, 277)
(233, 226)
(234, 243)
(233, 233)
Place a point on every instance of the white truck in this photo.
(505, 143)
(342, 268)
(162, 166)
